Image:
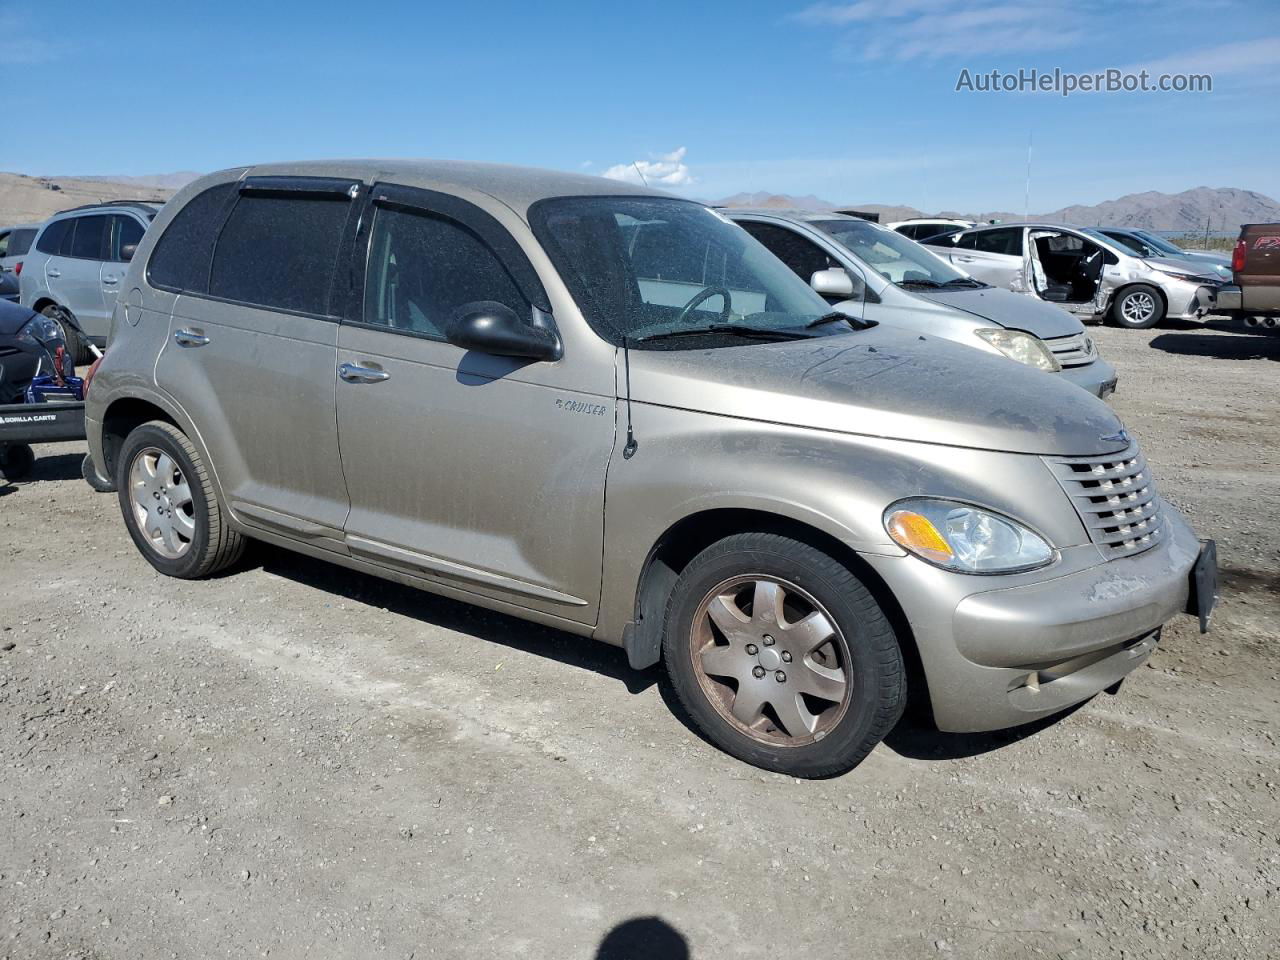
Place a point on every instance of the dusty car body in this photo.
(1083, 271)
(612, 411)
(895, 281)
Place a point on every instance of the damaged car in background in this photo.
(876, 273)
(1084, 271)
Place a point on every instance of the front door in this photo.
(125, 231)
(993, 256)
(254, 362)
(482, 473)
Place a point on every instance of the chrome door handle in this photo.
(354, 373)
(110, 280)
(188, 338)
(53, 273)
(963, 259)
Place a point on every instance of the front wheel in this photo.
(1138, 307)
(169, 505)
(782, 657)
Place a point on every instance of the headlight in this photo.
(1020, 346)
(1186, 277)
(43, 331)
(962, 537)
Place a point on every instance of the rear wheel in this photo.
(169, 505)
(76, 347)
(1138, 307)
(781, 657)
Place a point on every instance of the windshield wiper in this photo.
(919, 282)
(964, 282)
(856, 322)
(753, 333)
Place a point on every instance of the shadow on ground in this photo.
(1217, 347)
(918, 739)
(484, 625)
(643, 938)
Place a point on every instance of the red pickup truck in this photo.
(1255, 295)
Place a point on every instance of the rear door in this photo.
(1260, 279)
(252, 352)
(74, 275)
(483, 473)
(125, 231)
(992, 256)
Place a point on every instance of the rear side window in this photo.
(1008, 241)
(184, 251)
(422, 268)
(51, 238)
(20, 242)
(278, 251)
(89, 240)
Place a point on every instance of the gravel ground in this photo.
(294, 760)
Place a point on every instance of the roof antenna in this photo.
(632, 444)
(640, 173)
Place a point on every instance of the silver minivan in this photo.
(609, 410)
(873, 272)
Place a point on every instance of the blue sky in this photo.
(854, 102)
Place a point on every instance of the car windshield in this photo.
(1161, 244)
(892, 255)
(663, 271)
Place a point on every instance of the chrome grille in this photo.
(1073, 351)
(1116, 498)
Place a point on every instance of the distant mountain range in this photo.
(24, 198)
(1224, 208)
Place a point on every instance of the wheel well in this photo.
(121, 418)
(42, 303)
(690, 536)
(1121, 291)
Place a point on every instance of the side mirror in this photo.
(127, 251)
(487, 326)
(832, 282)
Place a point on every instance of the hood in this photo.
(1199, 268)
(1005, 308)
(13, 318)
(884, 383)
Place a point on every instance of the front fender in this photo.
(689, 463)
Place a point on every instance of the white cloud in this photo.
(668, 170)
(933, 29)
(1226, 58)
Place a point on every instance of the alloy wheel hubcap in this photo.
(1138, 307)
(161, 503)
(771, 660)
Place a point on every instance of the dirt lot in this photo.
(294, 760)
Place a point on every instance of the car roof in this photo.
(517, 187)
(148, 207)
(799, 216)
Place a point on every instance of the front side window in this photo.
(278, 250)
(648, 266)
(422, 268)
(125, 231)
(890, 254)
(89, 239)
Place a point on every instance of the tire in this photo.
(16, 461)
(90, 474)
(1138, 307)
(187, 537)
(76, 346)
(857, 673)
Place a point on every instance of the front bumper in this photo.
(1188, 301)
(1002, 651)
(1098, 377)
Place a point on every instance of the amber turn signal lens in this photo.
(917, 534)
